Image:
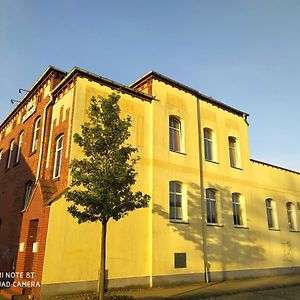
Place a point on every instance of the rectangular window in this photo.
(233, 153)
(180, 260)
(211, 206)
(208, 144)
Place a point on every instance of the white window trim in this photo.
(275, 225)
(210, 200)
(180, 130)
(20, 143)
(291, 213)
(184, 216)
(11, 149)
(35, 139)
(58, 155)
(237, 152)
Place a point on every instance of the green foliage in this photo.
(102, 181)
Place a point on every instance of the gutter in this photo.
(43, 138)
(202, 195)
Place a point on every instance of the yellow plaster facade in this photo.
(141, 248)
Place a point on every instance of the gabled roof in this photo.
(158, 76)
(31, 91)
(81, 72)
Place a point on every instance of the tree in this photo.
(101, 185)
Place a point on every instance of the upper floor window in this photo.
(35, 137)
(20, 143)
(58, 156)
(233, 152)
(175, 197)
(10, 152)
(175, 134)
(211, 206)
(1, 154)
(291, 214)
(28, 192)
(238, 210)
(271, 214)
(209, 145)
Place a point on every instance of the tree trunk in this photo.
(101, 281)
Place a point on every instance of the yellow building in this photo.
(214, 212)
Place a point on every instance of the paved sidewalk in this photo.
(206, 290)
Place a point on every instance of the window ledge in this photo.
(32, 152)
(182, 153)
(212, 161)
(274, 229)
(240, 227)
(214, 225)
(178, 221)
(237, 168)
(294, 230)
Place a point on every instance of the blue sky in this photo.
(244, 53)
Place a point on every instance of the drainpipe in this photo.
(43, 138)
(202, 195)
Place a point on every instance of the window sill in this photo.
(32, 152)
(240, 227)
(177, 152)
(212, 161)
(294, 230)
(274, 229)
(214, 225)
(237, 168)
(178, 221)
(56, 178)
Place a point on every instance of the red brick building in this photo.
(27, 185)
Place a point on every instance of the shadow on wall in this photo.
(227, 247)
(12, 196)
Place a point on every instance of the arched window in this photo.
(209, 145)
(28, 192)
(35, 136)
(10, 152)
(211, 206)
(175, 134)
(237, 209)
(291, 215)
(271, 214)
(233, 152)
(20, 143)
(58, 156)
(175, 199)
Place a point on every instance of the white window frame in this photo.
(234, 152)
(175, 134)
(291, 216)
(238, 210)
(175, 210)
(1, 154)
(272, 220)
(11, 149)
(20, 143)
(58, 156)
(35, 137)
(211, 206)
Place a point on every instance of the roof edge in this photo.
(274, 166)
(94, 76)
(190, 90)
(31, 91)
